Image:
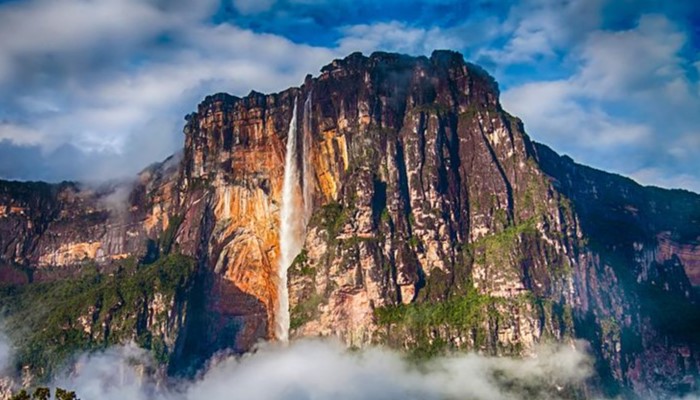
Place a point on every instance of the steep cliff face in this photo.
(441, 205)
(437, 225)
(641, 249)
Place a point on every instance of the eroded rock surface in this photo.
(437, 226)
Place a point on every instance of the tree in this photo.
(62, 394)
(22, 395)
(41, 393)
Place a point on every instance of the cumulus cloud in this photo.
(630, 106)
(321, 369)
(643, 61)
(537, 29)
(123, 108)
(399, 37)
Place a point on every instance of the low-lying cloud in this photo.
(326, 369)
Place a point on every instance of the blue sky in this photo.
(95, 90)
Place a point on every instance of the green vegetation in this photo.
(462, 313)
(354, 240)
(384, 217)
(300, 267)
(168, 237)
(44, 393)
(498, 247)
(411, 220)
(431, 108)
(457, 311)
(331, 217)
(469, 114)
(305, 311)
(50, 321)
(610, 329)
(473, 110)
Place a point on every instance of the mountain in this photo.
(434, 224)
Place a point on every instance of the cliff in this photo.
(437, 225)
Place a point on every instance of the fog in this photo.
(5, 353)
(323, 369)
(313, 369)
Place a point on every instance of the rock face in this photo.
(437, 226)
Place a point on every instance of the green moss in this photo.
(431, 108)
(470, 113)
(610, 329)
(384, 216)
(300, 266)
(421, 321)
(500, 246)
(168, 237)
(331, 217)
(354, 240)
(305, 311)
(500, 216)
(565, 207)
(301, 258)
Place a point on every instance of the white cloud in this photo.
(18, 134)
(554, 112)
(629, 104)
(399, 37)
(124, 101)
(538, 29)
(643, 61)
(322, 369)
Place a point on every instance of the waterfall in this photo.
(294, 213)
(307, 176)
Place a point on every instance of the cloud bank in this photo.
(323, 369)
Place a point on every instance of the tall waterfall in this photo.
(306, 164)
(295, 212)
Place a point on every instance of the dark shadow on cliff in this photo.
(620, 220)
(221, 317)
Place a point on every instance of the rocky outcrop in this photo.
(437, 226)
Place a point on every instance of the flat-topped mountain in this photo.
(436, 225)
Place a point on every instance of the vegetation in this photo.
(431, 108)
(300, 267)
(44, 393)
(331, 217)
(497, 248)
(50, 321)
(305, 310)
(168, 236)
(463, 313)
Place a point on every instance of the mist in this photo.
(325, 368)
(5, 353)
